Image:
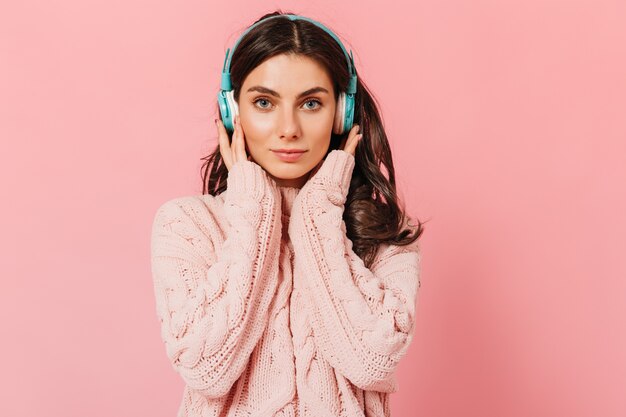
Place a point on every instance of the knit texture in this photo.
(265, 309)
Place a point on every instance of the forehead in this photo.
(289, 74)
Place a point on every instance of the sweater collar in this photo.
(288, 195)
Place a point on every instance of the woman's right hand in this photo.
(231, 154)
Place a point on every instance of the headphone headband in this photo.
(226, 84)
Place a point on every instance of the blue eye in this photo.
(261, 99)
(315, 101)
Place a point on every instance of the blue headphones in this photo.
(344, 115)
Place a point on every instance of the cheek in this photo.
(256, 130)
(319, 131)
(255, 125)
(318, 146)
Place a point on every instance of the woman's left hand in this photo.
(349, 144)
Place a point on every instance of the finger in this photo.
(355, 143)
(353, 139)
(244, 149)
(223, 143)
(240, 153)
(235, 142)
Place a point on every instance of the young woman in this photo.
(289, 287)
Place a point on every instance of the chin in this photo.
(288, 173)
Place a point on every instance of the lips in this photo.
(288, 150)
(289, 155)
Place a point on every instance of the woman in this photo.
(289, 287)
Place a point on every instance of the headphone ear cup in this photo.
(348, 112)
(228, 108)
(222, 102)
(234, 105)
(340, 111)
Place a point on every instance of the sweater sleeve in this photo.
(213, 307)
(362, 319)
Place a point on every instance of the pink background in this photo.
(507, 124)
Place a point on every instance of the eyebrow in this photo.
(269, 91)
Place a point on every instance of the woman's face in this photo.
(287, 102)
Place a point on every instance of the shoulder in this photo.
(190, 205)
(194, 207)
(195, 219)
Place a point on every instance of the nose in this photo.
(288, 124)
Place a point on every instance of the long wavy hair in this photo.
(372, 213)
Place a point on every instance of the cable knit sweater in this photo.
(265, 309)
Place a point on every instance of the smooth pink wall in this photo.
(507, 122)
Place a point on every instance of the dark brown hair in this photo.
(372, 213)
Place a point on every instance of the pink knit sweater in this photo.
(265, 310)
